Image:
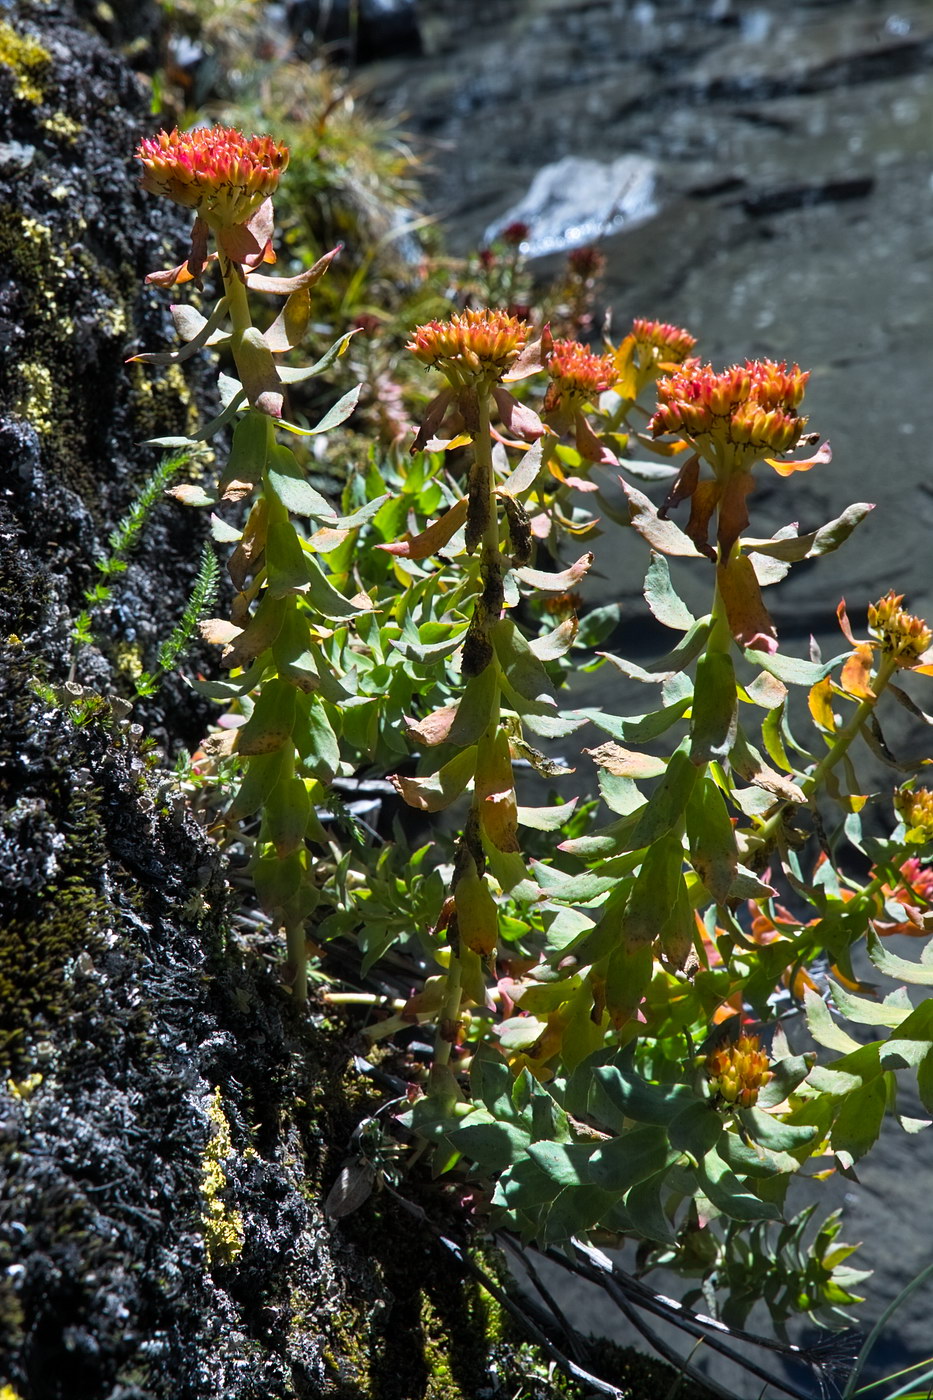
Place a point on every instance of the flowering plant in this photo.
(423, 626)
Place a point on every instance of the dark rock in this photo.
(361, 30)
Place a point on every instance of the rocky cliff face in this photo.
(160, 1226)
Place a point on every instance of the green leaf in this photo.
(597, 624)
(695, 1129)
(635, 1155)
(492, 1146)
(262, 774)
(340, 412)
(661, 598)
(270, 725)
(619, 1096)
(666, 666)
(727, 1193)
(443, 787)
(252, 438)
(772, 1133)
(315, 739)
(859, 1120)
(286, 815)
(791, 669)
(547, 818)
(891, 1012)
(822, 1026)
(654, 893)
(287, 481)
(745, 1159)
(522, 669)
(715, 708)
(711, 838)
(639, 729)
(644, 1204)
(571, 889)
(524, 1186)
(785, 1077)
(324, 595)
(918, 974)
(822, 541)
(667, 805)
(575, 1210)
(565, 1162)
(286, 569)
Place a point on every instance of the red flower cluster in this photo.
(222, 174)
(577, 374)
(228, 179)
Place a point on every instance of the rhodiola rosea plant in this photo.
(607, 997)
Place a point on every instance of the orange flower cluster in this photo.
(474, 351)
(578, 375)
(902, 635)
(662, 341)
(735, 416)
(738, 1072)
(472, 345)
(217, 171)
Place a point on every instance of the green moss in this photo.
(222, 1225)
(35, 953)
(28, 61)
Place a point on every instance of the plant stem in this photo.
(488, 608)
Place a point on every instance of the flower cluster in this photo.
(228, 180)
(661, 342)
(914, 806)
(472, 345)
(475, 351)
(577, 375)
(738, 1072)
(903, 636)
(736, 416)
(222, 174)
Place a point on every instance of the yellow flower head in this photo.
(902, 635)
(914, 806)
(738, 1072)
(216, 171)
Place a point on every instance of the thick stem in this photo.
(442, 1083)
(237, 302)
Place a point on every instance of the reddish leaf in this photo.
(433, 538)
(748, 617)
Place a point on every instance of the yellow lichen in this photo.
(22, 1089)
(60, 124)
(222, 1225)
(128, 658)
(26, 58)
(36, 397)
